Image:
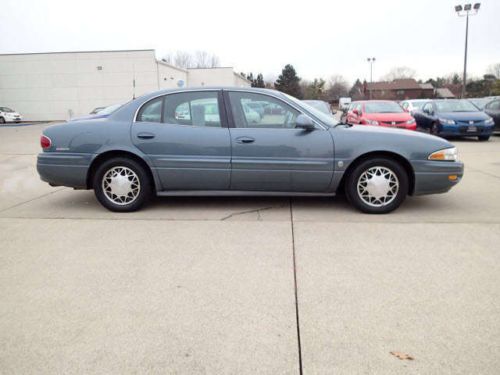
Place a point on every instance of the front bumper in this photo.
(434, 177)
(64, 169)
(465, 130)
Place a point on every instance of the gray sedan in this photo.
(202, 142)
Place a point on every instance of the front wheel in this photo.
(483, 138)
(434, 129)
(122, 185)
(377, 186)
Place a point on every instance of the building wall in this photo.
(58, 86)
(55, 86)
(215, 77)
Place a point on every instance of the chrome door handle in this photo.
(145, 135)
(245, 140)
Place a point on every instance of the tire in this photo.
(434, 130)
(2, 120)
(483, 138)
(131, 181)
(393, 174)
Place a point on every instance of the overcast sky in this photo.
(320, 38)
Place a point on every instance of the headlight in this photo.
(410, 121)
(447, 154)
(489, 121)
(371, 122)
(446, 121)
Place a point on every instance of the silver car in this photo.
(218, 148)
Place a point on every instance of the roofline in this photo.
(61, 52)
(171, 66)
(242, 77)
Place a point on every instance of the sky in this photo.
(319, 38)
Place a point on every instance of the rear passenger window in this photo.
(192, 108)
(151, 111)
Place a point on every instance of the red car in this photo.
(381, 113)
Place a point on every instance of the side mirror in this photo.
(356, 112)
(304, 122)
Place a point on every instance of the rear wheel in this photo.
(122, 185)
(2, 120)
(377, 186)
(483, 138)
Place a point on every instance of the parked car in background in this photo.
(479, 102)
(321, 105)
(492, 109)
(455, 117)
(103, 113)
(344, 103)
(413, 105)
(142, 149)
(9, 115)
(380, 113)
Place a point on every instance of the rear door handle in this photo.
(245, 140)
(145, 135)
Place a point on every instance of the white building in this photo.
(60, 85)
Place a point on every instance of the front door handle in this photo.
(145, 135)
(245, 140)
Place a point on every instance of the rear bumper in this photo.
(433, 177)
(64, 169)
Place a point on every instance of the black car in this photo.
(493, 110)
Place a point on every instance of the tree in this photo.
(399, 72)
(356, 91)
(255, 82)
(495, 70)
(313, 90)
(200, 59)
(338, 87)
(288, 82)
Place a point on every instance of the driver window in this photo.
(427, 108)
(261, 111)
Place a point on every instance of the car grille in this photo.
(393, 123)
(471, 122)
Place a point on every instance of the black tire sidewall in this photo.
(144, 180)
(352, 180)
(483, 138)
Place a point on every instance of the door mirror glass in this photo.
(304, 122)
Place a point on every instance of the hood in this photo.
(464, 116)
(404, 116)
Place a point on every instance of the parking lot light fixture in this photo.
(371, 60)
(466, 11)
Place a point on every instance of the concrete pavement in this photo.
(206, 285)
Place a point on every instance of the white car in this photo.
(413, 105)
(9, 115)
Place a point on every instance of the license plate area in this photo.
(471, 129)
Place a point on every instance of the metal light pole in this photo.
(371, 60)
(465, 11)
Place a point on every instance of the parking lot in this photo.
(248, 285)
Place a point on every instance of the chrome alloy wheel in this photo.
(121, 185)
(378, 186)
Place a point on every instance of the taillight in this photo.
(45, 142)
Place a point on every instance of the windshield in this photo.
(5, 109)
(456, 106)
(110, 109)
(319, 105)
(324, 118)
(383, 107)
(417, 105)
(480, 103)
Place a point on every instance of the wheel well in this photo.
(101, 158)
(386, 154)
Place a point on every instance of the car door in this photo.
(426, 116)
(493, 110)
(270, 154)
(187, 140)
